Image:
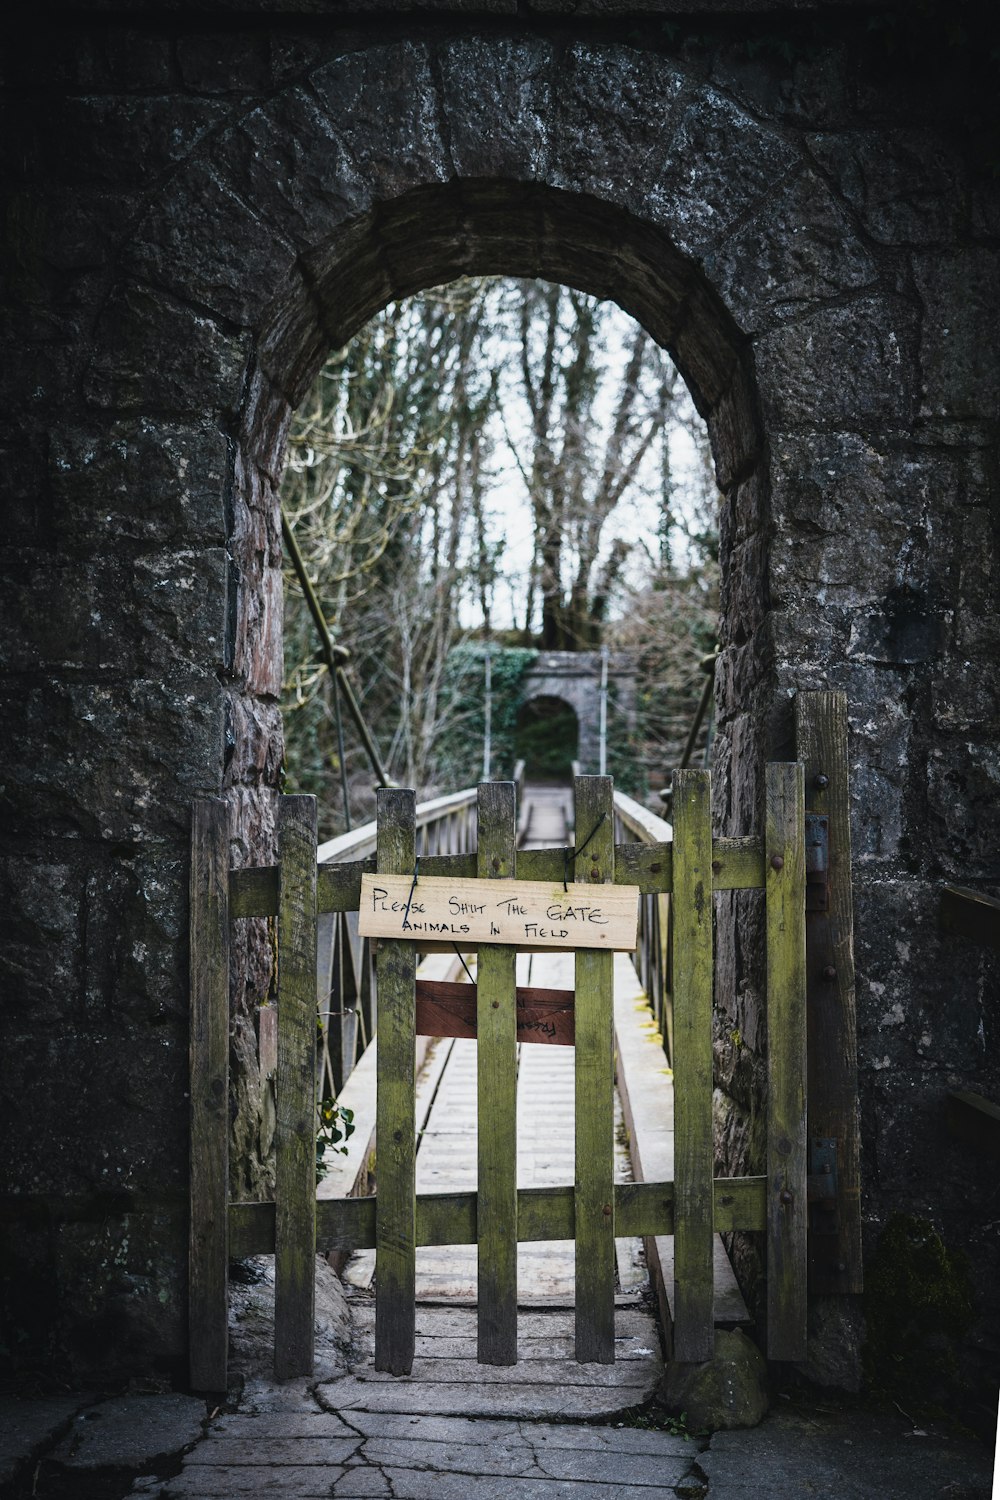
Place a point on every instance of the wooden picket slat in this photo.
(295, 1127)
(694, 1332)
(594, 1096)
(496, 1028)
(209, 1058)
(395, 1108)
(786, 1061)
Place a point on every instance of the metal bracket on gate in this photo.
(825, 1263)
(817, 862)
(821, 1183)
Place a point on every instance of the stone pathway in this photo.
(546, 1384)
(406, 1456)
(285, 1441)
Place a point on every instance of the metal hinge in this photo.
(821, 1183)
(817, 862)
(826, 1264)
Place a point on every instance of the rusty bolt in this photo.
(397, 1135)
(786, 1196)
(777, 863)
(821, 782)
(496, 861)
(496, 1005)
(829, 973)
(606, 1210)
(595, 873)
(716, 866)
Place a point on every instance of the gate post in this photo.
(784, 887)
(594, 1106)
(208, 1253)
(496, 1064)
(694, 1153)
(295, 1126)
(821, 744)
(395, 1108)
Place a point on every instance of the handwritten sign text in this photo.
(521, 913)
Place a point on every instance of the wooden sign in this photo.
(446, 1009)
(522, 913)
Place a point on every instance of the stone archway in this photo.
(260, 232)
(574, 678)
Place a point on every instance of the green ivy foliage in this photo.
(461, 747)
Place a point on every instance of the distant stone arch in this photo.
(574, 678)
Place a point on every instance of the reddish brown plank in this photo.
(447, 1009)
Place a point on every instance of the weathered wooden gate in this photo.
(592, 1210)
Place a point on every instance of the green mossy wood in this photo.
(497, 1217)
(694, 1329)
(395, 1258)
(737, 865)
(641, 1209)
(295, 1128)
(786, 1062)
(496, 1029)
(594, 1096)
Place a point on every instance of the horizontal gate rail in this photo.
(548, 1213)
(737, 865)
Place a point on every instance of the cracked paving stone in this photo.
(521, 1460)
(293, 1424)
(409, 1484)
(265, 1449)
(207, 1482)
(461, 1399)
(361, 1482)
(539, 1435)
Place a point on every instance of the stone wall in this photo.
(806, 217)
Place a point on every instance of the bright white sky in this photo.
(636, 517)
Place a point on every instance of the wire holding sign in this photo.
(522, 913)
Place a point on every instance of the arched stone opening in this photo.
(383, 201)
(547, 737)
(436, 234)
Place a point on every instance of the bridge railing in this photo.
(345, 987)
(652, 958)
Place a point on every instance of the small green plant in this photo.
(334, 1124)
(655, 1419)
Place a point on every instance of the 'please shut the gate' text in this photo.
(522, 913)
